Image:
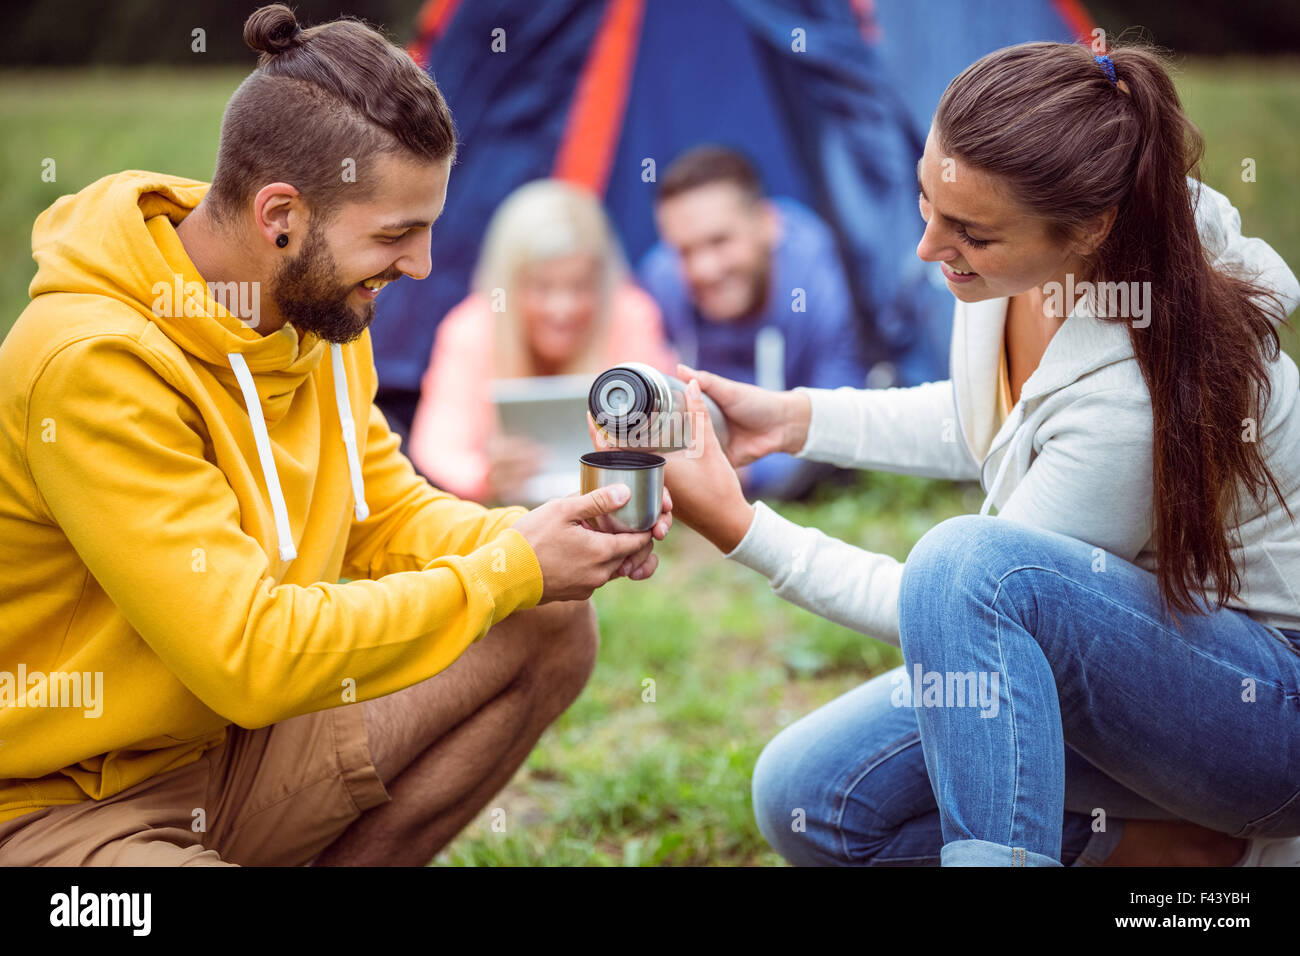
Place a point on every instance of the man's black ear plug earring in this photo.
(282, 240)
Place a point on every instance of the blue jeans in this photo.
(1045, 697)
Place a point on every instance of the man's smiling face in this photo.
(329, 287)
(724, 242)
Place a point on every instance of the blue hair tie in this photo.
(1108, 66)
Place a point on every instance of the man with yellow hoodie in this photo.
(190, 460)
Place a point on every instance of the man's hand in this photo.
(575, 560)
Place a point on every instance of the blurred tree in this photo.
(1214, 27)
(81, 32)
(78, 32)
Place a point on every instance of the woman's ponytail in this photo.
(1072, 144)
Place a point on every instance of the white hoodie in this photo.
(1074, 456)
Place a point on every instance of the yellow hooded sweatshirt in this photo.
(179, 496)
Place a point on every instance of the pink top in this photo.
(454, 416)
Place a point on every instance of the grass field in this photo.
(620, 780)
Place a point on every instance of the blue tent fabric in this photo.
(838, 126)
(857, 149)
(698, 78)
(924, 45)
(509, 109)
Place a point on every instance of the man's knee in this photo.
(563, 639)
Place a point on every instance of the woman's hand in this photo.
(705, 491)
(759, 422)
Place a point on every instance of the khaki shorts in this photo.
(275, 796)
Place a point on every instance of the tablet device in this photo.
(550, 410)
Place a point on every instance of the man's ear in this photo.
(278, 210)
(1094, 232)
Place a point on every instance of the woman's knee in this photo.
(961, 563)
(953, 548)
(824, 786)
(784, 801)
(941, 568)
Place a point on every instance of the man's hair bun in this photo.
(272, 29)
(333, 89)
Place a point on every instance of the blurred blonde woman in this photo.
(551, 296)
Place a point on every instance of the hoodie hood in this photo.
(117, 238)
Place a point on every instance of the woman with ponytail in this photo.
(1109, 669)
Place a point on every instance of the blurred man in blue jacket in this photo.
(751, 288)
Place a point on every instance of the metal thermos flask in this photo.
(638, 406)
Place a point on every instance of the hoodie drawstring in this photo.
(349, 429)
(1006, 460)
(245, 378)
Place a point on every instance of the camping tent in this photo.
(831, 98)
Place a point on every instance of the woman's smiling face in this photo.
(973, 226)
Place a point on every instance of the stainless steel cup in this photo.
(642, 472)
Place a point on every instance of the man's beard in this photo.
(306, 291)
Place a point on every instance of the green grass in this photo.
(93, 123)
(619, 780)
(1248, 109)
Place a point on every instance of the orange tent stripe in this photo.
(431, 20)
(1076, 17)
(591, 134)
